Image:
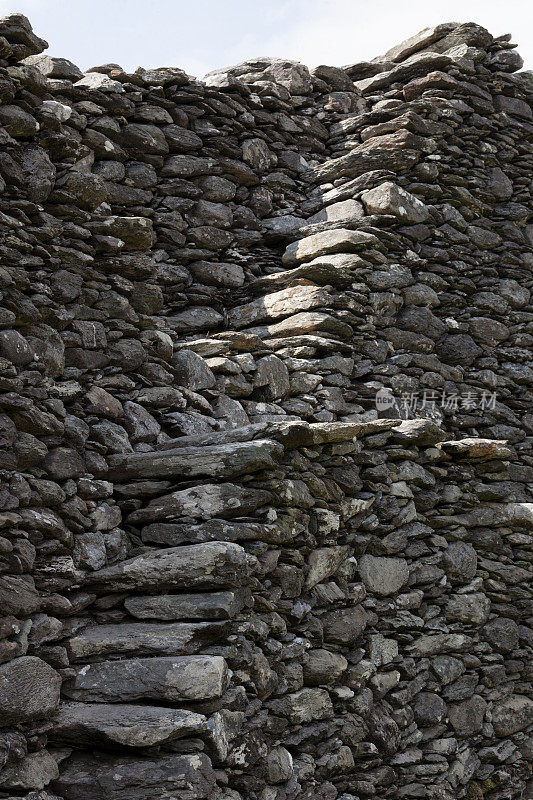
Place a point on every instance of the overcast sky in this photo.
(202, 35)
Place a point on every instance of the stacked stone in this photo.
(222, 574)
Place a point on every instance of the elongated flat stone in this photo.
(339, 240)
(279, 304)
(215, 529)
(218, 605)
(99, 724)
(173, 679)
(167, 777)
(394, 151)
(209, 564)
(217, 461)
(145, 638)
(306, 322)
(224, 500)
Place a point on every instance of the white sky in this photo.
(202, 35)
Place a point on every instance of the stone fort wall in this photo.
(224, 571)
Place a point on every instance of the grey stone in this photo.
(34, 771)
(389, 198)
(202, 565)
(171, 679)
(429, 708)
(346, 625)
(471, 609)
(502, 634)
(512, 714)
(459, 560)
(323, 667)
(217, 461)
(338, 240)
(99, 777)
(218, 605)
(383, 575)
(145, 638)
(467, 717)
(29, 690)
(102, 725)
(225, 500)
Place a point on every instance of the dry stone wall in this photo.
(225, 571)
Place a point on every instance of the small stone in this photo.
(383, 575)
(307, 705)
(502, 634)
(389, 198)
(29, 689)
(512, 714)
(62, 463)
(429, 708)
(339, 240)
(467, 717)
(459, 560)
(322, 667)
(472, 609)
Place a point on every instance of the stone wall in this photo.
(225, 573)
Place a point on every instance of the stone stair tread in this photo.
(166, 678)
(100, 724)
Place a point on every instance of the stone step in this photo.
(145, 638)
(218, 605)
(198, 565)
(174, 680)
(104, 777)
(103, 725)
(216, 461)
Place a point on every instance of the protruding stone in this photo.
(168, 679)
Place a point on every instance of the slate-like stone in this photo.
(512, 714)
(215, 605)
(216, 461)
(339, 240)
(102, 725)
(98, 777)
(225, 500)
(145, 638)
(467, 717)
(322, 667)
(166, 679)
(199, 565)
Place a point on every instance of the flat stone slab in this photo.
(145, 638)
(217, 461)
(279, 304)
(216, 605)
(209, 564)
(167, 777)
(223, 500)
(100, 724)
(173, 679)
(339, 240)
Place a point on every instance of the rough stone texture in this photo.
(226, 571)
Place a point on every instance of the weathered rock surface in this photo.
(173, 679)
